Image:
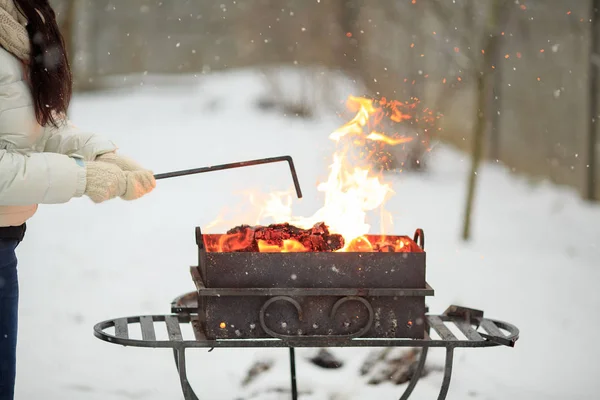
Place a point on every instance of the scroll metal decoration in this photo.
(332, 315)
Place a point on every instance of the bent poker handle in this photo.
(241, 164)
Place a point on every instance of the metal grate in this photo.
(439, 324)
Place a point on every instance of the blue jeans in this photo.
(9, 302)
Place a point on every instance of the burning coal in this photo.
(286, 238)
(281, 238)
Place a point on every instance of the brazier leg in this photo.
(416, 375)
(447, 373)
(176, 359)
(293, 373)
(188, 392)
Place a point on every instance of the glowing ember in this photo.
(288, 246)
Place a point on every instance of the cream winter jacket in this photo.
(37, 164)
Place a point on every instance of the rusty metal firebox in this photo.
(311, 294)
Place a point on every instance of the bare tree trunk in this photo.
(348, 15)
(66, 29)
(82, 14)
(490, 48)
(592, 137)
(476, 153)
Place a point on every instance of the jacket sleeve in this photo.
(29, 177)
(39, 178)
(68, 139)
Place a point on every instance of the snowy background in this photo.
(533, 260)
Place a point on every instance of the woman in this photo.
(43, 158)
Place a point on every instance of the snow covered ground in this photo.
(533, 261)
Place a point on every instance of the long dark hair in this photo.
(49, 69)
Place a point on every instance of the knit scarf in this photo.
(13, 34)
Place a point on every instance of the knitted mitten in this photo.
(139, 183)
(126, 164)
(104, 181)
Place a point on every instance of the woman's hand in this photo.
(140, 181)
(106, 181)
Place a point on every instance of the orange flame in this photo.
(235, 241)
(351, 192)
(382, 138)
